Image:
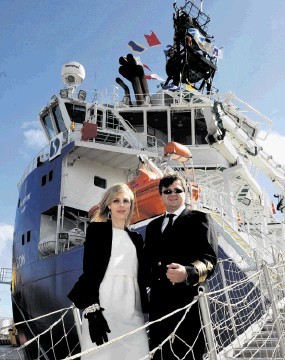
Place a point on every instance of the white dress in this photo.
(120, 297)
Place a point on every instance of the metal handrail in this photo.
(5, 276)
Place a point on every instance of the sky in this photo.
(38, 36)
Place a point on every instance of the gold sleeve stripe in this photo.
(202, 269)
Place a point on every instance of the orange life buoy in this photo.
(178, 151)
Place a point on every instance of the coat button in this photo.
(158, 279)
(159, 263)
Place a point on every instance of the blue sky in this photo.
(38, 37)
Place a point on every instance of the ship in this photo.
(212, 140)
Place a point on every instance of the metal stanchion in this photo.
(209, 333)
(77, 321)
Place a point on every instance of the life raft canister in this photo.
(146, 195)
(178, 151)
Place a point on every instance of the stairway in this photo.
(264, 346)
(233, 238)
(243, 243)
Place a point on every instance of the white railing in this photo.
(5, 276)
(242, 316)
(113, 137)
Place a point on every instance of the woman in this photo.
(112, 281)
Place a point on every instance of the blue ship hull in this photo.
(40, 285)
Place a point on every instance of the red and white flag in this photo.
(154, 77)
(139, 62)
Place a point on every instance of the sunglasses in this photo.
(176, 191)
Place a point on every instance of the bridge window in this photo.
(181, 127)
(46, 119)
(59, 122)
(200, 128)
(76, 113)
(157, 125)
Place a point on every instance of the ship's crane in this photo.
(226, 121)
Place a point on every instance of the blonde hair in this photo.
(109, 196)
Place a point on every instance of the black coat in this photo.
(189, 240)
(97, 252)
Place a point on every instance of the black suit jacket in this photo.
(97, 252)
(189, 240)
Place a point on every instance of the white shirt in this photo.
(176, 213)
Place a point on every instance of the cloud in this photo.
(35, 138)
(33, 135)
(6, 238)
(274, 145)
(30, 124)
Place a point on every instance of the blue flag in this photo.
(136, 47)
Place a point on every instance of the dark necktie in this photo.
(170, 223)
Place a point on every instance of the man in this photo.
(178, 258)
